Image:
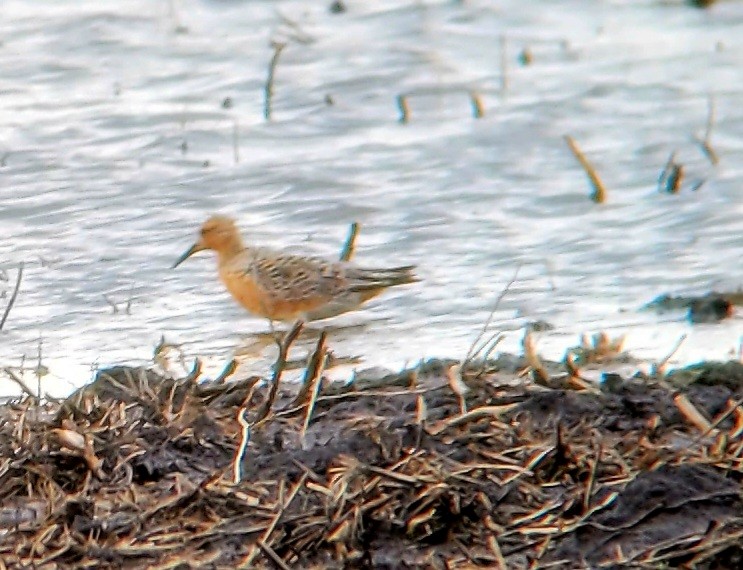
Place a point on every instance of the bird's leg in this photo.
(274, 332)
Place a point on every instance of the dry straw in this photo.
(139, 470)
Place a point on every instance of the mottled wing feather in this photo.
(295, 278)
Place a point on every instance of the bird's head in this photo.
(218, 233)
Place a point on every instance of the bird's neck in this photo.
(230, 249)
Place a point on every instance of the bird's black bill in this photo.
(193, 249)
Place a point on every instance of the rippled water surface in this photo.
(125, 123)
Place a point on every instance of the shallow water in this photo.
(116, 144)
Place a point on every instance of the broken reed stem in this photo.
(284, 346)
(706, 143)
(240, 452)
(311, 381)
(671, 176)
(349, 248)
(659, 369)
(714, 425)
(541, 376)
(278, 47)
(592, 479)
(402, 105)
(675, 178)
(599, 190)
(11, 302)
(227, 371)
(278, 369)
(691, 413)
(478, 111)
(473, 415)
(310, 372)
(195, 372)
(458, 386)
(710, 427)
(22, 385)
(421, 415)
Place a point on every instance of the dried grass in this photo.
(138, 470)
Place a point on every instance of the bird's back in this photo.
(285, 286)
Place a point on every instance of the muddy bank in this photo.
(414, 470)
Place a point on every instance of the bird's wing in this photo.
(294, 277)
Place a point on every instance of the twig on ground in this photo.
(476, 414)
(733, 407)
(691, 413)
(240, 452)
(274, 521)
(271, 553)
(592, 478)
(21, 384)
(311, 382)
(278, 369)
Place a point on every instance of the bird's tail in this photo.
(366, 280)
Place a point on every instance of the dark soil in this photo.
(137, 470)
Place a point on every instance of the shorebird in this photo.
(287, 287)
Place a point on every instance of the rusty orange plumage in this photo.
(282, 286)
